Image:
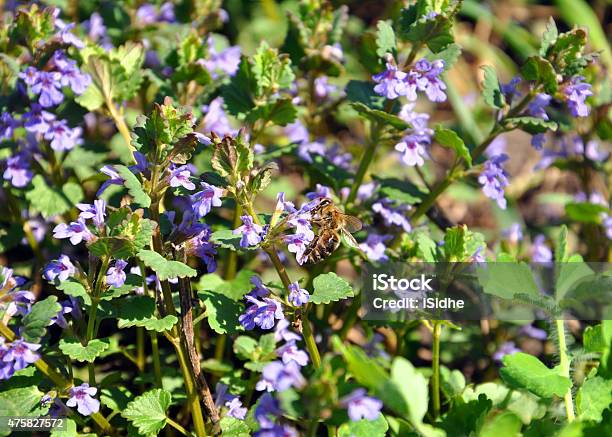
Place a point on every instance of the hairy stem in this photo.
(91, 317)
(564, 367)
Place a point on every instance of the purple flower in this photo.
(301, 223)
(146, 14)
(166, 12)
(66, 36)
(71, 75)
(277, 376)
(115, 179)
(260, 289)
(507, 348)
(297, 243)
(205, 250)
(510, 89)
(94, 27)
(236, 409)
(48, 85)
(262, 313)
(298, 296)
(251, 232)
(393, 215)
(538, 105)
(514, 234)
(429, 80)
(70, 306)
(21, 302)
(18, 170)
(115, 276)
(576, 93)
(267, 406)
(203, 201)
(179, 177)
(540, 253)
(538, 140)
(62, 136)
(215, 119)
(227, 61)
(374, 247)
(37, 120)
(81, 397)
(533, 332)
(277, 431)
(75, 231)
(20, 354)
(308, 148)
(96, 212)
(289, 352)
(59, 270)
(497, 147)
(360, 406)
(322, 88)
(7, 125)
(493, 179)
(320, 192)
(282, 332)
(412, 149)
(390, 82)
(607, 224)
(297, 133)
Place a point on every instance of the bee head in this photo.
(325, 201)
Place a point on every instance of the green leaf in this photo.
(164, 268)
(379, 116)
(262, 178)
(531, 125)
(504, 424)
(34, 324)
(50, 201)
(18, 402)
(541, 71)
(522, 370)
(435, 32)
(148, 411)
(238, 94)
(76, 351)
(363, 92)
(232, 427)
(271, 70)
(549, 36)
(140, 311)
(452, 382)
(226, 239)
(235, 289)
(330, 287)
(506, 280)
(249, 349)
(222, 312)
(449, 55)
(466, 419)
(385, 40)
(74, 288)
(232, 157)
(593, 398)
(491, 90)
(134, 186)
(460, 244)
(585, 212)
(403, 192)
(281, 112)
(371, 428)
(449, 138)
(561, 249)
(593, 339)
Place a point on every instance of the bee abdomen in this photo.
(321, 247)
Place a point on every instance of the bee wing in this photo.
(352, 223)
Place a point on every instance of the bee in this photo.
(332, 224)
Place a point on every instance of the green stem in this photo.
(364, 164)
(156, 361)
(435, 367)
(564, 367)
(178, 427)
(140, 349)
(121, 126)
(311, 344)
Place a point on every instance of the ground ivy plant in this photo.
(160, 163)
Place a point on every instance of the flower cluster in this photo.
(425, 77)
(494, 179)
